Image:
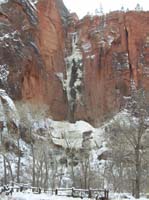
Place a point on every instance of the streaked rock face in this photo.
(114, 51)
(80, 69)
(104, 67)
(32, 45)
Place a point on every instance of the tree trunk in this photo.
(84, 170)
(41, 174)
(18, 163)
(33, 167)
(86, 174)
(72, 174)
(54, 172)
(138, 173)
(120, 178)
(5, 171)
(89, 174)
(46, 174)
(10, 169)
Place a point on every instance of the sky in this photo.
(82, 7)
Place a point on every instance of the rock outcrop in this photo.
(80, 68)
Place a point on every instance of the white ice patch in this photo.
(4, 72)
(92, 57)
(110, 39)
(2, 116)
(12, 111)
(87, 47)
(14, 36)
(3, 1)
(33, 3)
(75, 57)
(61, 78)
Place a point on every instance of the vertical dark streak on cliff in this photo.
(127, 46)
(100, 56)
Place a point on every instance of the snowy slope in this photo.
(58, 137)
(76, 135)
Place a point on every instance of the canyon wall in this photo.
(81, 69)
(32, 49)
(114, 54)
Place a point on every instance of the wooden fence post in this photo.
(56, 191)
(72, 194)
(89, 193)
(106, 194)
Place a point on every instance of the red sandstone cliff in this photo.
(32, 48)
(114, 51)
(80, 69)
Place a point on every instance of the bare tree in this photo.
(30, 115)
(128, 138)
(71, 156)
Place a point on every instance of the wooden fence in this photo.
(98, 194)
(89, 193)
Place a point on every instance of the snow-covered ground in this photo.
(21, 196)
(28, 196)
